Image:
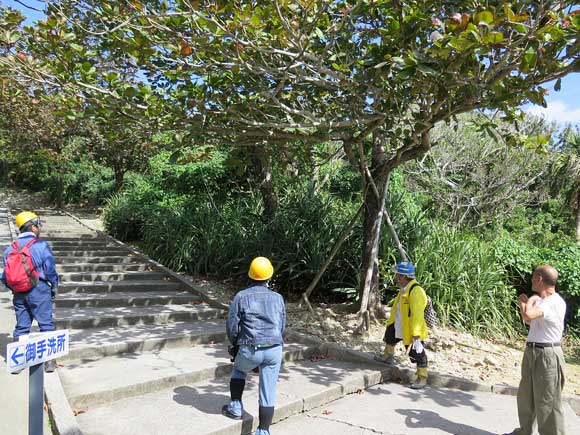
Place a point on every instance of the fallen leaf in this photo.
(77, 411)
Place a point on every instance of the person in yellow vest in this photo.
(407, 323)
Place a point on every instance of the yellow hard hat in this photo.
(24, 217)
(261, 269)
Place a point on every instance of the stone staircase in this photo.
(148, 351)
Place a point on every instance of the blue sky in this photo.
(563, 106)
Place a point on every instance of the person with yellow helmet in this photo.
(32, 302)
(256, 323)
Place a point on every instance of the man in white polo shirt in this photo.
(540, 390)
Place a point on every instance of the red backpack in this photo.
(19, 269)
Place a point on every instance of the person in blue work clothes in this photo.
(255, 325)
(37, 302)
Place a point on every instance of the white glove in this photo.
(418, 346)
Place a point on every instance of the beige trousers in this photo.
(540, 391)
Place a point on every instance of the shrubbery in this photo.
(199, 216)
(82, 181)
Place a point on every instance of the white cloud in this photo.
(556, 111)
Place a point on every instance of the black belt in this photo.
(542, 345)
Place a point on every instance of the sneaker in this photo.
(233, 410)
(418, 384)
(262, 432)
(50, 366)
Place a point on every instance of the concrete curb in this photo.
(60, 412)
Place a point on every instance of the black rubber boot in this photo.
(266, 415)
(237, 388)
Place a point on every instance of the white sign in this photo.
(35, 349)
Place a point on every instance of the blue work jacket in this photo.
(42, 258)
(257, 317)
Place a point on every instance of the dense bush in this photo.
(82, 183)
(199, 235)
(519, 260)
(29, 171)
(195, 215)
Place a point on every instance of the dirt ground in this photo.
(450, 351)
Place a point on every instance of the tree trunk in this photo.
(373, 217)
(578, 216)
(263, 171)
(119, 178)
(59, 190)
(5, 178)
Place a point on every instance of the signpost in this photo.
(33, 351)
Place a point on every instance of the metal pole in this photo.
(36, 400)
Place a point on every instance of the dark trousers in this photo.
(417, 358)
(34, 304)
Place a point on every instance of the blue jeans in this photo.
(269, 360)
(34, 304)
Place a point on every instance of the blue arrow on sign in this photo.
(15, 355)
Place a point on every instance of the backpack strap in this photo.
(416, 284)
(16, 244)
(32, 242)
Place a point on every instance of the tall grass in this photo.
(200, 234)
(460, 272)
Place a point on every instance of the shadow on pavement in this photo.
(417, 418)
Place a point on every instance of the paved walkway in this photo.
(394, 409)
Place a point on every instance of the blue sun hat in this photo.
(405, 268)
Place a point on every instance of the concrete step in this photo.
(102, 342)
(75, 234)
(111, 276)
(118, 286)
(98, 259)
(196, 408)
(104, 267)
(70, 241)
(109, 252)
(80, 318)
(126, 299)
(80, 246)
(73, 239)
(131, 375)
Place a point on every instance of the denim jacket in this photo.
(257, 317)
(42, 258)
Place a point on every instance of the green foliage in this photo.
(200, 169)
(182, 215)
(519, 260)
(29, 170)
(198, 235)
(82, 183)
(466, 282)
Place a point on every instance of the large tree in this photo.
(376, 75)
